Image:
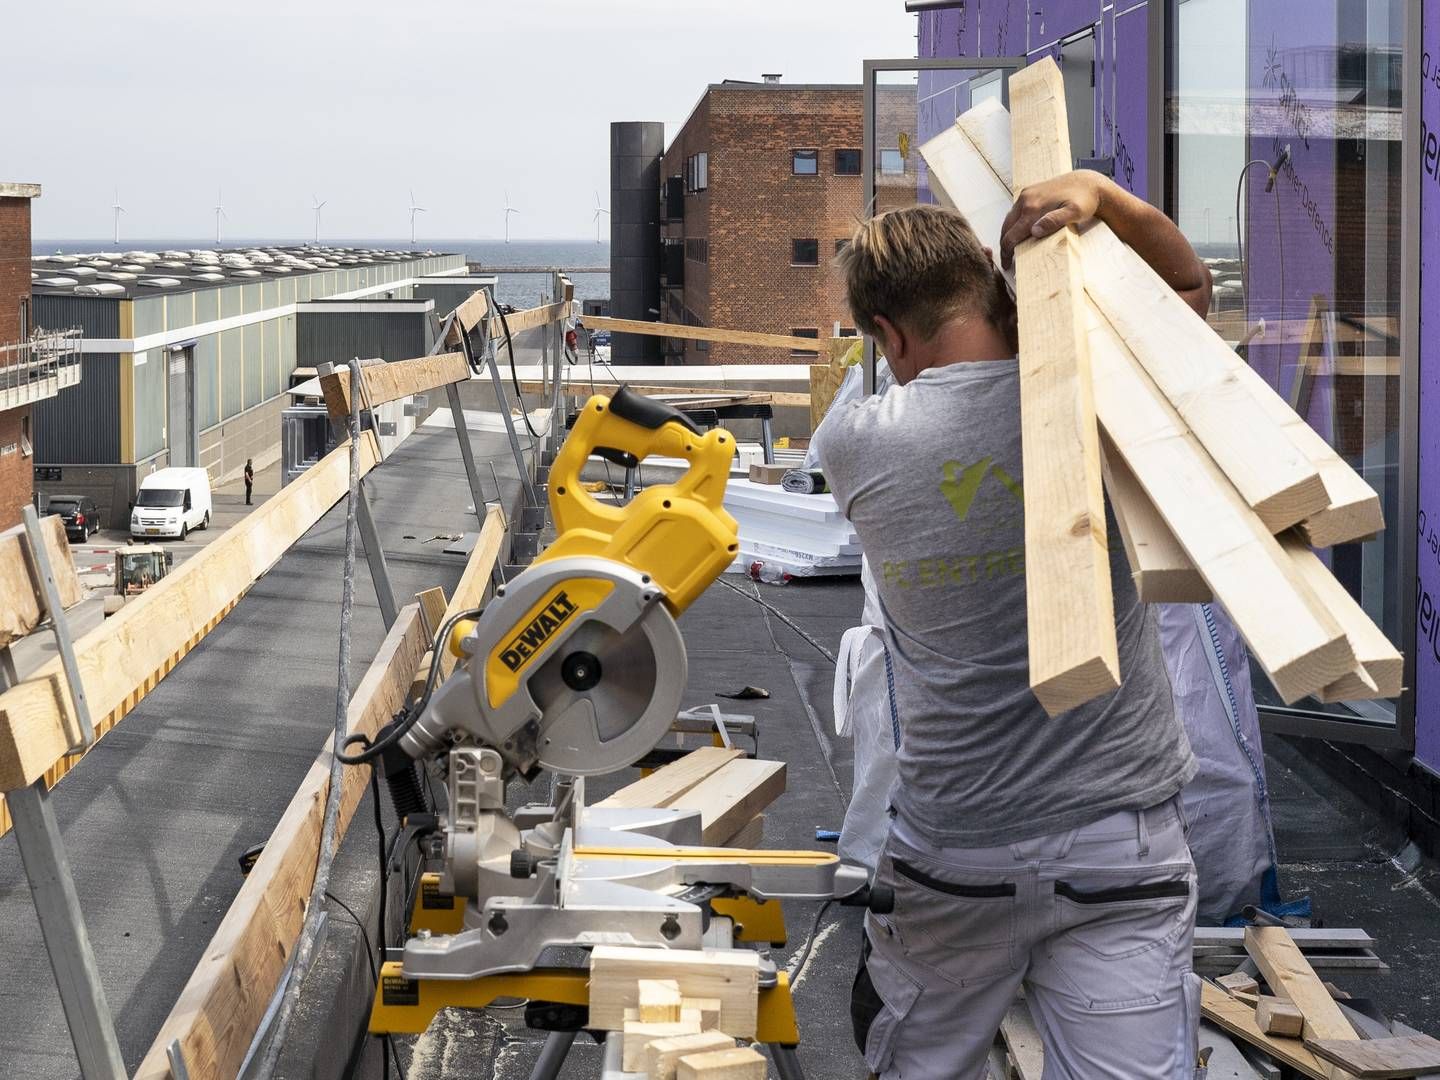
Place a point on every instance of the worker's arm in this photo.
(1080, 196)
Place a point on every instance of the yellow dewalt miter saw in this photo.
(577, 667)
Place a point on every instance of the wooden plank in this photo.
(1070, 611)
(1239, 1019)
(638, 1034)
(751, 835)
(659, 1001)
(1162, 571)
(391, 382)
(126, 656)
(1277, 1017)
(475, 579)
(1406, 1055)
(962, 178)
(1380, 667)
(1027, 1049)
(729, 798)
(731, 976)
(19, 603)
(708, 1008)
(1238, 983)
(1301, 648)
(1196, 371)
(1290, 976)
(735, 395)
(219, 1010)
(669, 782)
(662, 1056)
(432, 608)
(1353, 510)
(529, 319)
(471, 311)
(737, 1063)
(701, 333)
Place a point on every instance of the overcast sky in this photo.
(359, 101)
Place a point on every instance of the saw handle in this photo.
(679, 533)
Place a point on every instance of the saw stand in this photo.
(42, 850)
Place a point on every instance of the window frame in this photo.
(859, 161)
(804, 240)
(886, 150)
(795, 158)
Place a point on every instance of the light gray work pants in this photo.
(1097, 924)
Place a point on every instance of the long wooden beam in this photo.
(472, 310)
(772, 397)
(219, 1011)
(529, 319)
(1069, 606)
(391, 382)
(19, 604)
(702, 333)
(127, 655)
(475, 579)
(1163, 572)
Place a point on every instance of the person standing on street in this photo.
(249, 479)
(1024, 850)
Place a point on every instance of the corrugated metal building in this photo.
(187, 353)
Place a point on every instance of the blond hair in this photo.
(921, 267)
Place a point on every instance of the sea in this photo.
(519, 289)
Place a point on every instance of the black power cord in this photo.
(514, 375)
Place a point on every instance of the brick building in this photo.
(761, 185)
(32, 366)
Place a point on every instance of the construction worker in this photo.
(1023, 850)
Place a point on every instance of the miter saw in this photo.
(577, 667)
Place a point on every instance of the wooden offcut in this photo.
(220, 1008)
(658, 1000)
(1163, 573)
(391, 382)
(126, 656)
(661, 1056)
(1238, 1019)
(737, 1063)
(1197, 373)
(701, 333)
(731, 976)
(708, 1008)
(767, 474)
(1070, 610)
(1404, 1055)
(1275, 1016)
(637, 1034)
(1238, 983)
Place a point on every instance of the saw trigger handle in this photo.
(647, 412)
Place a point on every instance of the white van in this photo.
(170, 503)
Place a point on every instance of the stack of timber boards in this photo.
(800, 535)
(1219, 488)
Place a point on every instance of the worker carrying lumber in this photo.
(1023, 849)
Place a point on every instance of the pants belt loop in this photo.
(1142, 834)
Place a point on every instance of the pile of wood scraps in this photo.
(1220, 489)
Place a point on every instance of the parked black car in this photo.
(81, 516)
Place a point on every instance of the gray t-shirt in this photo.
(929, 475)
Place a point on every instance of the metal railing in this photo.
(41, 365)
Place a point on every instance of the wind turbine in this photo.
(413, 211)
(508, 211)
(318, 204)
(118, 209)
(219, 213)
(598, 211)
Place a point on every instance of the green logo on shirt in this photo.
(961, 483)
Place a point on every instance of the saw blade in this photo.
(608, 697)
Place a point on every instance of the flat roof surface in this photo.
(11, 190)
(236, 266)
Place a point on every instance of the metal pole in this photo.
(62, 924)
(45, 578)
(467, 453)
(767, 440)
(531, 498)
(553, 1055)
(375, 557)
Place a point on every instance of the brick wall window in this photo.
(892, 163)
(697, 249)
(697, 172)
(805, 162)
(847, 162)
(805, 252)
(804, 331)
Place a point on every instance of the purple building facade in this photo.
(1286, 137)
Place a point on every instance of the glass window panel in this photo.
(1283, 123)
(805, 252)
(805, 162)
(847, 162)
